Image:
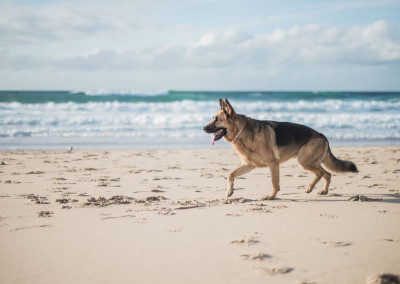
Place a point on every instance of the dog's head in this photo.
(223, 121)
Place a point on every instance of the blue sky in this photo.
(150, 45)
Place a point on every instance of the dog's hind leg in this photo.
(310, 157)
(241, 170)
(327, 178)
(318, 175)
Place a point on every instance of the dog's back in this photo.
(288, 133)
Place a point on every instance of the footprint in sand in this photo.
(37, 199)
(275, 270)
(329, 216)
(249, 241)
(336, 243)
(30, 227)
(158, 189)
(379, 185)
(187, 204)
(174, 230)
(388, 240)
(363, 198)
(259, 207)
(256, 256)
(45, 214)
(233, 215)
(165, 211)
(12, 182)
(35, 173)
(207, 175)
(88, 169)
(66, 200)
(117, 217)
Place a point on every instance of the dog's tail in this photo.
(336, 165)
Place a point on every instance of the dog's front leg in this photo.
(241, 170)
(274, 168)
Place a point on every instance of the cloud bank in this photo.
(375, 44)
(163, 45)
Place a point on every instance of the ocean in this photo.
(40, 120)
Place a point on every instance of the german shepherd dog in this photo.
(270, 143)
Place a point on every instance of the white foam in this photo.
(336, 119)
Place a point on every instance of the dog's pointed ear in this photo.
(221, 103)
(228, 108)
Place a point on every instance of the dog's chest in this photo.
(255, 157)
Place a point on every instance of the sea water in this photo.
(175, 119)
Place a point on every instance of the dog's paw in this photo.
(309, 189)
(323, 192)
(229, 192)
(268, 197)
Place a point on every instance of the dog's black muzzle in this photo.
(218, 132)
(209, 128)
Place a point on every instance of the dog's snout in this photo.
(208, 128)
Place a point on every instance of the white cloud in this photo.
(375, 44)
(378, 43)
(227, 38)
(62, 21)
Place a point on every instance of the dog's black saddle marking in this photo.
(288, 133)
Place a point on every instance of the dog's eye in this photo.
(216, 119)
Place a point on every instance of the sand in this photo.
(161, 216)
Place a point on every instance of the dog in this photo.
(270, 143)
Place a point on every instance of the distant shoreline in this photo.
(78, 143)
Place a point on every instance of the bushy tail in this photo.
(336, 165)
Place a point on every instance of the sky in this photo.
(159, 45)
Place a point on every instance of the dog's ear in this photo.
(221, 103)
(228, 108)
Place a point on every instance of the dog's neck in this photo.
(237, 136)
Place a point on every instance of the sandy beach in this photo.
(161, 216)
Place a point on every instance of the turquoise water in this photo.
(41, 97)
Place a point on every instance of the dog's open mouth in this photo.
(218, 135)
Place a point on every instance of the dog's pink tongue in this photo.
(215, 135)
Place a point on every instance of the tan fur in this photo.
(259, 149)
